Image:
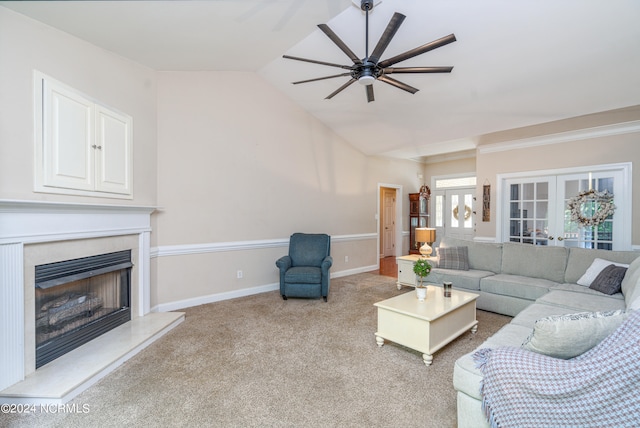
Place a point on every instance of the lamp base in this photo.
(426, 250)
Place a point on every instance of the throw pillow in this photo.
(453, 258)
(596, 267)
(567, 336)
(609, 281)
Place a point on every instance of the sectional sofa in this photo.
(531, 283)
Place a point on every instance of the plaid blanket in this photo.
(600, 388)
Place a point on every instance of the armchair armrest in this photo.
(283, 263)
(327, 262)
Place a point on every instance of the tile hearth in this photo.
(69, 375)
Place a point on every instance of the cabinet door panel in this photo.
(113, 155)
(68, 133)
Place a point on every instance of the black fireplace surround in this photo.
(78, 300)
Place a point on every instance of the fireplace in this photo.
(35, 233)
(78, 300)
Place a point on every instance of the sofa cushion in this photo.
(586, 290)
(534, 261)
(582, 302)
(517, 286)
(597, 266)
(467, 279)
(466, 377)
(453, 258)
(581, 258)
(532, 313)
(609, 281)
(567, 336)
(482, 255)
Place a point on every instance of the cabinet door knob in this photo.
(560, 238)
(97, 147)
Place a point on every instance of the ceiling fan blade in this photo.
(391, 70)
(398, 84)
(340, 89)
(386, 37)
(335, 39)
(313, 61)
(370, 93)
(418, 51)
(321, 78)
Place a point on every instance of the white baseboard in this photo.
(218, 297)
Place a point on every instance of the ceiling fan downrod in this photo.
(366, 76)
(366, 5)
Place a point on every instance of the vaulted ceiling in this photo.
(516, 63)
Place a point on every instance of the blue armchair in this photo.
(305, 271)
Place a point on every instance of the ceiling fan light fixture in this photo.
(366, 80)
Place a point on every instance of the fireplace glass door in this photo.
(79, 300)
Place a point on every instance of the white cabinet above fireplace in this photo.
(82, 146)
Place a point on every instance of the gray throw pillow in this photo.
(567, 336)
(609, 281)
(453, 258)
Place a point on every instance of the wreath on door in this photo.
(590, 207)
(467, 212)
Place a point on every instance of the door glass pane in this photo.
(528, 191)
(468, 211)
(439, 210)
(515, 192)
(542, 190)
(600, 236)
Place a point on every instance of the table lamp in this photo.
(426, 235)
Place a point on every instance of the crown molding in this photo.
(562, 137)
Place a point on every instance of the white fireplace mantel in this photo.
(37, 221)
(25, 222)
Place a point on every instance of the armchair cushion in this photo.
(303, 275)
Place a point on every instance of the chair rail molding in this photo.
(220, 247)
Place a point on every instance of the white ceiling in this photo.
(516, 63)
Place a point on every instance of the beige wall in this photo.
(27, 45)
(240, 162)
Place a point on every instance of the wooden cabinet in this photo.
(84, 148)
(418, 217)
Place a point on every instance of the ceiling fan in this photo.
(368, 70)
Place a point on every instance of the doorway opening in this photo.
(389, 224)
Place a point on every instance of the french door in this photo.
(534, 210)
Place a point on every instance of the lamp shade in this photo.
(425, 234)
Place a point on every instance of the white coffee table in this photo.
(426, 326)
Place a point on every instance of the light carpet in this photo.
(260, 361)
